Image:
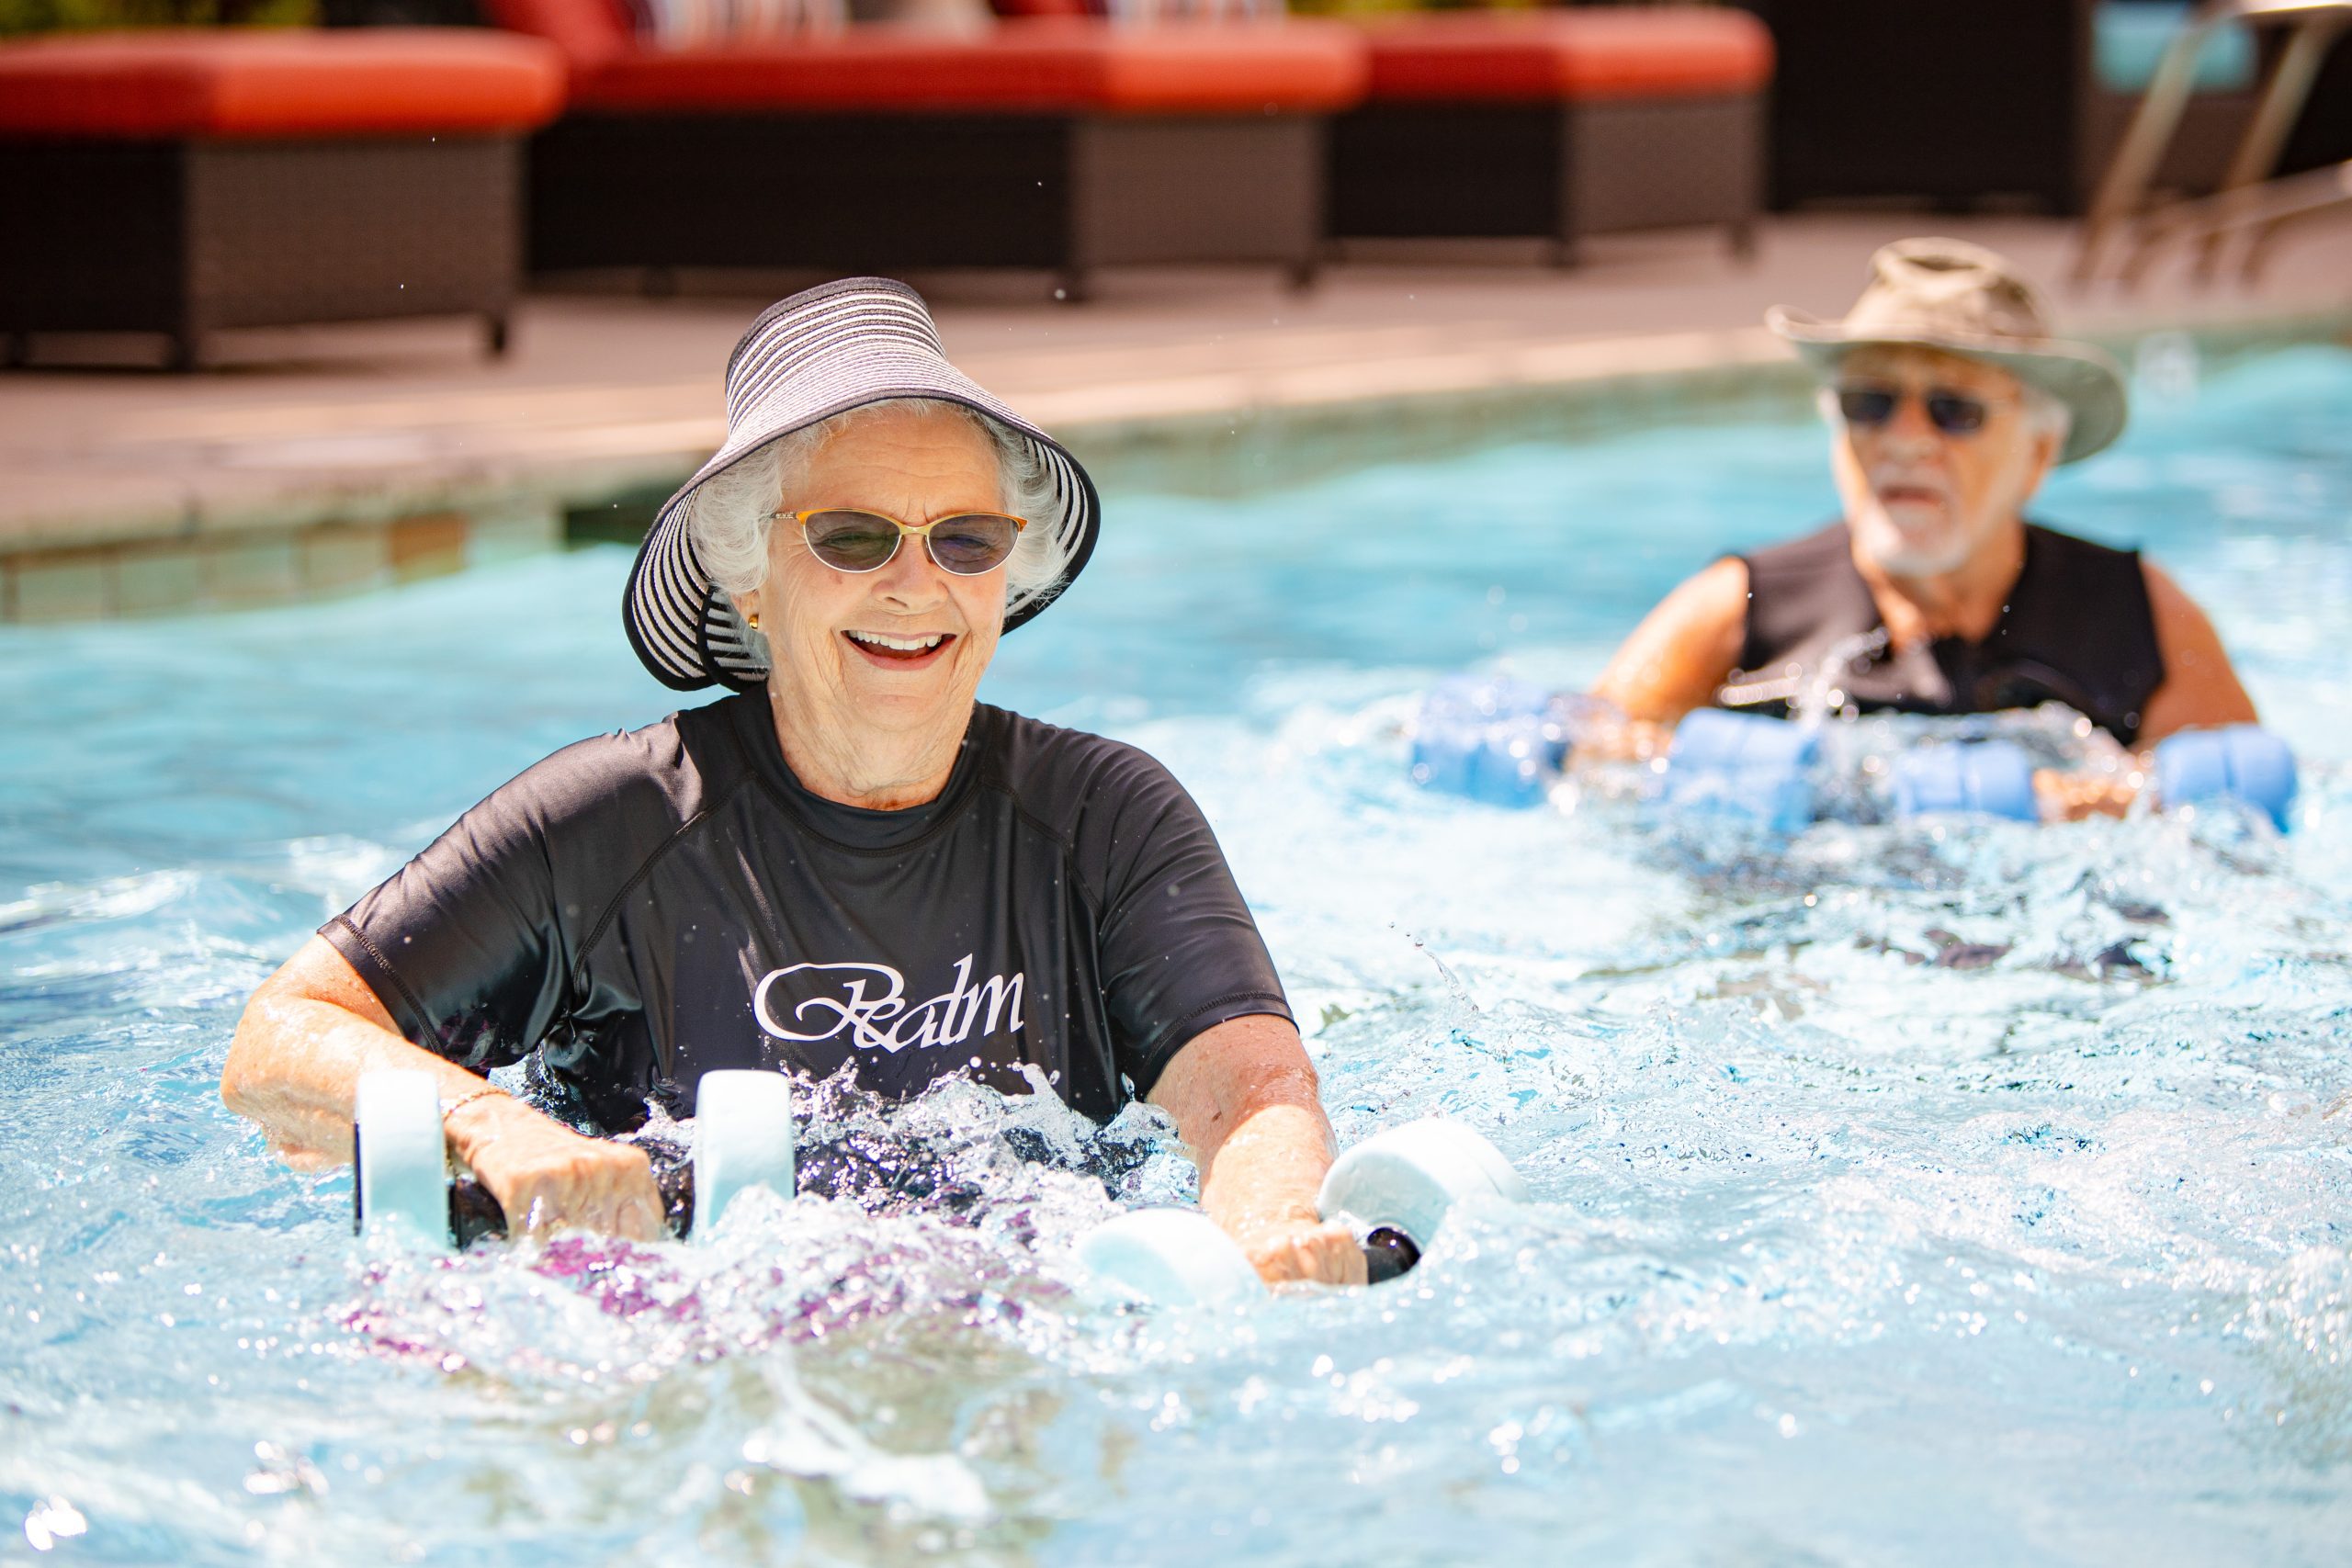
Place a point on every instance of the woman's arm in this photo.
(314, 1027)
(1245, 1100)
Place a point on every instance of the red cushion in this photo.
(257, 83)
(1037, 65)
(589, 32)
(1573, 56)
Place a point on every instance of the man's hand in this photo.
(546, 1176)
(2072, 798)
(1308, 1251)
(1611, 737)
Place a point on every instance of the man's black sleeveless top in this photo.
(2077, 629)
(643, 908)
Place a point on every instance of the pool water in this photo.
(1902, 1195)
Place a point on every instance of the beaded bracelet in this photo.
(451, 1107)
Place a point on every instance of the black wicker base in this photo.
(1989, 105)
(187, 238)
(886, 193)
(1551, 171)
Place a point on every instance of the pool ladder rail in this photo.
(2250, 201)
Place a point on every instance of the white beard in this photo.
(1900, 553)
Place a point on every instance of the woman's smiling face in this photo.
(898, 651)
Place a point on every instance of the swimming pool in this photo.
(1903, 1196)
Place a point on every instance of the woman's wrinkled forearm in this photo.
(1264, 1176)
(1246, 1101)
(295, 1065)
(314, 1030)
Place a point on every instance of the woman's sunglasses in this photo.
(1954, 414)
(966, 545)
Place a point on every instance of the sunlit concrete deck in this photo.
(328, 459)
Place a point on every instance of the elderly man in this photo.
(1948, 402)
(848, 865)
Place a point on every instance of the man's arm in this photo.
(1681, 653)
(314, 1027)
(1245, 1099)
(2200, 686)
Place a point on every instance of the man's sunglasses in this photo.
(1954, 414)
(966, 545)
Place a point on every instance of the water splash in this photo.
(1924, 1194)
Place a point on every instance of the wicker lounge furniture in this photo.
(181, 183)
(1555, 124)
(1055, 143)
(1992, 102)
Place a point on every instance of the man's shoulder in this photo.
(2058, 541)
(1808, 552)
(2081, 589)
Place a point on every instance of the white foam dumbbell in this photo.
(1168, 1257)
(1397, 1186)
(1395, 1189)
(402, 1155)
(742, 1139)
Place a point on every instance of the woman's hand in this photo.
(1310, 1251)
(1243, 1094)
(314, 1028)
(546, 1177)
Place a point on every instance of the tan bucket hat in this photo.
(1965, 299)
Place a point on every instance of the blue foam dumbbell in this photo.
(2243, 762)
(1493, 739)
(1743, 765)
(1983, 778)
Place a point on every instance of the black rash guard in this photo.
(2077, 629)
(641, 909)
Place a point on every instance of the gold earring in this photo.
(756, 620)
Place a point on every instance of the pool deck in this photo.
(329, 460)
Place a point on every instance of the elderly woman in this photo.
(849, 865)
(1948, 402)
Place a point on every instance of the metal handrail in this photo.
(2248, 199)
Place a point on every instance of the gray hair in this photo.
(2046, 413)
(727, 518)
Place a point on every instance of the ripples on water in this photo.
(1903, 1196)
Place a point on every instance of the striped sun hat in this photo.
(822, 352)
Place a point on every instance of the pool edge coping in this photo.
(346, 535)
